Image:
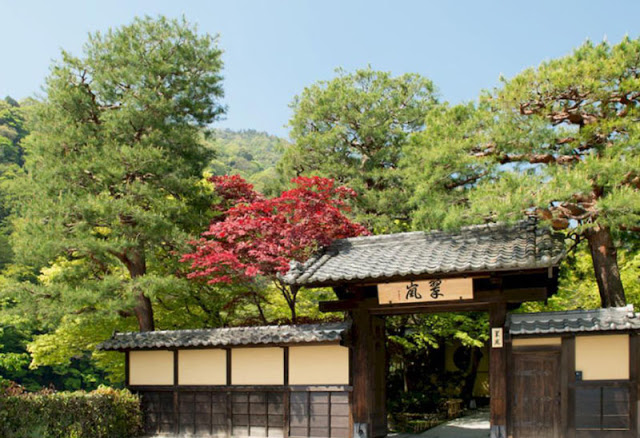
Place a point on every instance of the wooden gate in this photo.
(535, 399)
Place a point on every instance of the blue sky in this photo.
(273, 49)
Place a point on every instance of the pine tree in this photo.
(353, 129)
(113, 167)
(560, 141)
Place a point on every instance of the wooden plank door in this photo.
(535, 398)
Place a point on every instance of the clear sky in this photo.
(273, 49)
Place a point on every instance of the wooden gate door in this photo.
(535, 394)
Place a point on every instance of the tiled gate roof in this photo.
(574, 321)
(479, 248)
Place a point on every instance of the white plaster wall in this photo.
(319, 365)
(151, 367)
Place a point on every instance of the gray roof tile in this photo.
(574, 321)
(477, 248)
(222, 337)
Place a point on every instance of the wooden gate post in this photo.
(498, 373)
(368, 373)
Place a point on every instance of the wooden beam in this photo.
(516, 295)
(341, 292)
(564, 384)
(498, 375)
(368, 372)
(176, 404)
(127, 365)
(228, 351)
(401, 309)
(568, 361)
(285, 351)
(287, 408)
(633, 376)
(360, 372)
(229, 407)
(339, 305)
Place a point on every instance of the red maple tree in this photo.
(258, 237)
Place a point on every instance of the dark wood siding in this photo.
(603, 409)
(157, 407)
(203, 413)
(255, 412)
(258, 413)
(319, 414)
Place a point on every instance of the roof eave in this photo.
(200, 347)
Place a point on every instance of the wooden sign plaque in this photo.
(434, 290)
(497, 335)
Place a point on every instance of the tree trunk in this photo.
(292, 307)
(291, 296)
(144, 313)
(137, 266)
(605, 264)
(256, 301)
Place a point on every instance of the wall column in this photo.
(498, 374)
(368, 374)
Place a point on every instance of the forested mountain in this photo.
(13, 128)
(249, 153)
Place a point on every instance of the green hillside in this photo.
(249, 153)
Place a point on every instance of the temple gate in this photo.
(490, 268)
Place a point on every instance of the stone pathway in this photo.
(475, 425)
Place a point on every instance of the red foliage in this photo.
(233, 189)
(260, 236)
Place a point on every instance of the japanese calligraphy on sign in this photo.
(434, 287)
(497, 335)
(448, 289)
(412, 291)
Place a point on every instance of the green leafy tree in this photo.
(353, 129)
(111, 189)
(559, 141)
(578, 288)
(572, 126)
(417, 379)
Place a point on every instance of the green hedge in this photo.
(104, 413)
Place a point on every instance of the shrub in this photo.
(103, 413)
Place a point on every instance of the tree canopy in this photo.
(559, 141)
(353, 129)
(259, 237)
(114, 160)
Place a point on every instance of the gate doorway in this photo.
(486, 268)
(535, 398)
